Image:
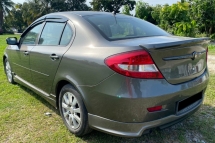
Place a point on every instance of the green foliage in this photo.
(200, 35)
(203, 11)
(211, 47)
(34, 9)
(126, 10)
(143, 11)
(24, 14)
(212, 36)
(5, 6)
(68, 5)
(156, 14)
(111, 5)
(176, 19)
(184, 28)
(14, 19)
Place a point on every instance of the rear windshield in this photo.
(123, 27)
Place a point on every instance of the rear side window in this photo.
(123, 27)
(31, 37)
(67, 35)
(51, 33)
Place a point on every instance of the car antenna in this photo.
(114, 14)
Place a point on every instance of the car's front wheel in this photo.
(8, 71)
(73, 111)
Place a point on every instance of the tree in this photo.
(34, 9)
(14, 19)
(126, 10)
(5, 6)
(176, 19)
(111, 5)
(156, 14)
(203, 11)
(143, 11)
(69, 5)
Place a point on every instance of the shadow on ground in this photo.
(41, 99)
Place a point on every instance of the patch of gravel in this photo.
(211, 63)
(195, 137)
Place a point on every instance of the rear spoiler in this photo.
(156, 46)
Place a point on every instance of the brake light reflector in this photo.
(137, 64)
(153, 109)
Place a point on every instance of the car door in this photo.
(46, 56)
(20, 62)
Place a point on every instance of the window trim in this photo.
(63, 32)
(29, 29)
(43, 29)
(66, 23)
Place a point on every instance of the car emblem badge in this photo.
(194, 55)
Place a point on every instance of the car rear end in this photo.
(147, 92)
(158, 79)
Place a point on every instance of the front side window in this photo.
(31, 37)
(51, 33)
(123, 27)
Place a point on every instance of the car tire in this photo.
(8, 72)
(73, 111)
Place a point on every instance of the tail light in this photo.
(136, 64)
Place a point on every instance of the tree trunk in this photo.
(210, 30)
(206, 30)
(1, 18)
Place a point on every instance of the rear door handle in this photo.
(54, 57)
(26, 53)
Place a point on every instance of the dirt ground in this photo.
(211, 63)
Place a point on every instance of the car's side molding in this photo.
(45, 95)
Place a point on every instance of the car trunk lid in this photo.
(181, 60)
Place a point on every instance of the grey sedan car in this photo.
(109, 72)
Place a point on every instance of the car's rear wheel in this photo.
(8, 71)
(73, 111)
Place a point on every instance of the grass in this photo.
(22, 119)
(211, 49)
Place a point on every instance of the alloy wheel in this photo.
(71, 110)
(8, 71)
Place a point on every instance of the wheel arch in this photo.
(60, 84)
(3, 60)
(4, 57)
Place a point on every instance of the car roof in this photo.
(84, 13)
(70, 14)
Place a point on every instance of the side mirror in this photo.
(11, 41)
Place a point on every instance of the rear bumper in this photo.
(135, 129)
(124, 99)
(118, 105)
